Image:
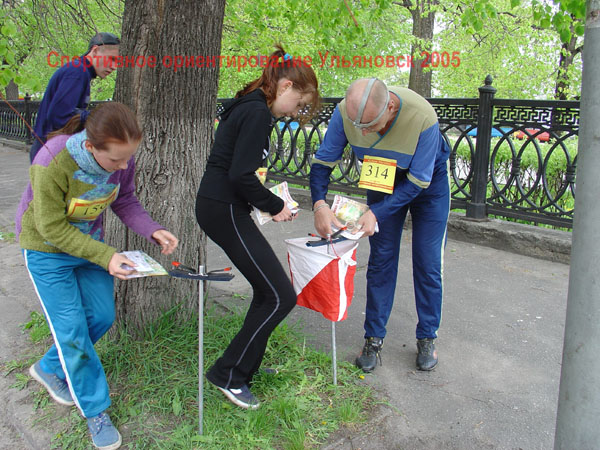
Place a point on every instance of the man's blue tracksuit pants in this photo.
(429, 212)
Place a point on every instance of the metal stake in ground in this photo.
(200, 351)
(333, 353)
(183, 271)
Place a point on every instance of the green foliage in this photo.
(154, 385)
(498, 37)
(9, 52)
(503, 38)
(564, 16)
(476, 17)
(13, 365)
(521, 57)
(567, 20)
(319, 29)
(29, 30)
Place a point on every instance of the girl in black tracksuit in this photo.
(227, 193)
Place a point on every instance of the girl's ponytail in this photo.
(74, 125)
(108, 122)
(281, 64)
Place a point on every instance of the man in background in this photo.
(68, 91)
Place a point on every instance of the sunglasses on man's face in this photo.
(361, 108)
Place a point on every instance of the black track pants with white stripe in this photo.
(232, 228)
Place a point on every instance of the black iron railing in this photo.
(510, 158)
(13, 124)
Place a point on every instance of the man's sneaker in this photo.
(104, 434)
(241, 397)
(426, 354)
(57, 388)
(370, 352)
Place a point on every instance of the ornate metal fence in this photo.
(510, 158)
(11, 125)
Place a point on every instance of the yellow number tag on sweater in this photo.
(378, 174)
(81, 210)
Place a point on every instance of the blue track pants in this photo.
(78, 301)
(429, 212)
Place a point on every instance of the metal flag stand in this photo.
(333, 354)
(201, 276)
(200, 352)
(320, 243)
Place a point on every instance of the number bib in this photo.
(81, 210)
(377, 174)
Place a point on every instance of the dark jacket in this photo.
(67, 94)
(241, 145)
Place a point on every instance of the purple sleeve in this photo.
(128, 208)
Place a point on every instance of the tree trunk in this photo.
(12, 91)
(567, 54)
(176, 109)
(423, 22)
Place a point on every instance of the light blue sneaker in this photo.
(57, 388)
(104, 435)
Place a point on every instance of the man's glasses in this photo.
(361, 108)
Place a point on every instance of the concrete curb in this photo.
(17, 145)
(528, 240)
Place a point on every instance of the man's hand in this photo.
(324, 217)
(366, 223)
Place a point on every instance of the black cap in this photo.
(103, 39)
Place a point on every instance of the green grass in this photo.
(7, 236)
(154, 386)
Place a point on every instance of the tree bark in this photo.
(423, 21)
(567, 55)
(12, 91)
(176, 108)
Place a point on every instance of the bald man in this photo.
(400, 128)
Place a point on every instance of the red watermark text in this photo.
(432, 59)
